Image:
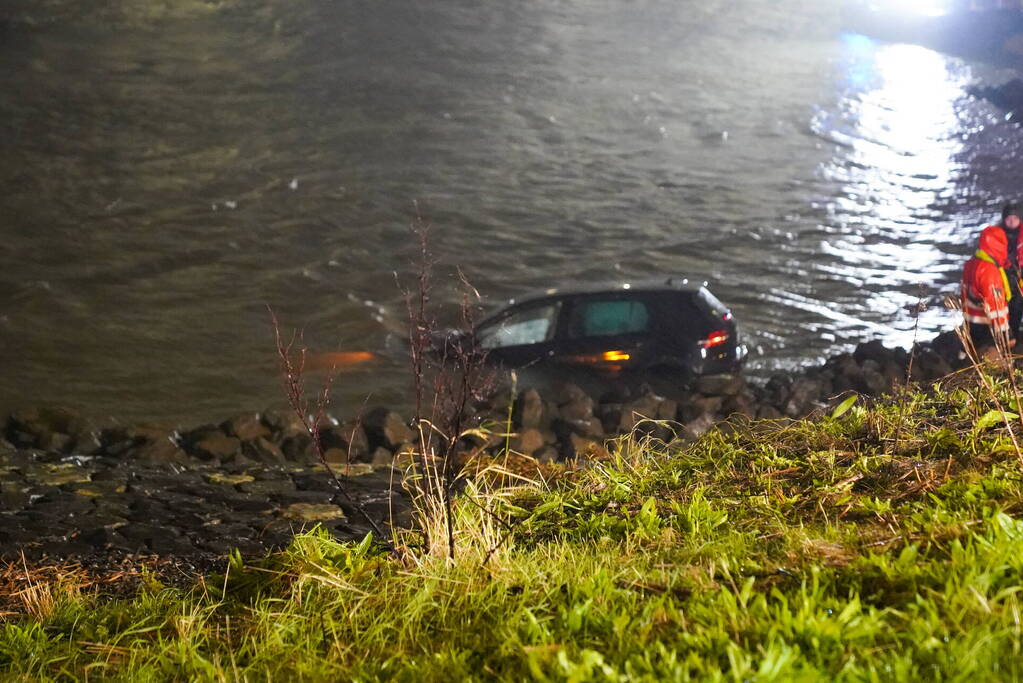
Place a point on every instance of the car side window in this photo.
(607, 317)
(529, 326)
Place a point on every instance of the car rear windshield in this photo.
(713, 304)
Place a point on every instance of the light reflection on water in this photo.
(901, 127)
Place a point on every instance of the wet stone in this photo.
(313, 481)
(312, 512)
(13, 500)
(216, 445)
(529, 410)
(262, 450)
(246, 427)
(62, 548)
(158, 452)
(104, 538)
(112, 506)
(246, 502)
(289, 497)
(98, 488)
(271, 474)
(120, 476)
(226, 527)
(146, 508)
(57, 475)
(11, 532)
(229, 479)
(298, 448)
(386, 428)
(355, 469)
(267, 487)
(144, 532)
(169, 545)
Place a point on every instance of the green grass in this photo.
(882, 544)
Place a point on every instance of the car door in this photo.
(605, 332)
(522, 335)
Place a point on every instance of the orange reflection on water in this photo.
(338, 360)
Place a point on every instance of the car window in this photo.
(717, 308)
(600, 318)
(529, 326)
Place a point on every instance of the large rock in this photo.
(49, 428)
(643, 408)
(246, 427)
(263, 450)
(527, 441)
(802, 396)
(215, 445)
(299, 448)
(590, 426)
(719, 385)
(740, 404)
(698, 405)
(578, 408)
(282, 424)
(350, 437)
(776, 391)
(386, 428)
(529, 412)
(872, 350)
(930, 365)
(567, 392)
(872, 382)
(578, 446)
(699, 426)
(158, 451)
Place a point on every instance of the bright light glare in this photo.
(897, 161)
(931, 8)
(906, 139)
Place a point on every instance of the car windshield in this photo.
(528, 326)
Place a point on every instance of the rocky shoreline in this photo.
(71, 490)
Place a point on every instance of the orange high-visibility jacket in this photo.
(985, 286)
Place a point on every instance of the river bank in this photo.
(71, 489)
(882, 541)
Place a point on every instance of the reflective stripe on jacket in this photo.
(986, 292)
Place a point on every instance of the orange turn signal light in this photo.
(606, 357)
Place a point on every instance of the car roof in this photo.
(670, 284)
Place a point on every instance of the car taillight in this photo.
(715, 338)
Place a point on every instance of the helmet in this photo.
(1012, 208)
(995, 244)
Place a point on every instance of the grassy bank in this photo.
(882, 543)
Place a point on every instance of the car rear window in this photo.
(715, 306)
(609, 317)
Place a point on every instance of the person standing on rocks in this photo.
(986, 292)
(1012, 213)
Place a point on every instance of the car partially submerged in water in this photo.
(662, 333)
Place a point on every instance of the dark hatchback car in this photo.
(661, 333)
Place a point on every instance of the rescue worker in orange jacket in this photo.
(986, 291)
(1010, 226)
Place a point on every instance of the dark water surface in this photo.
(168, 169)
